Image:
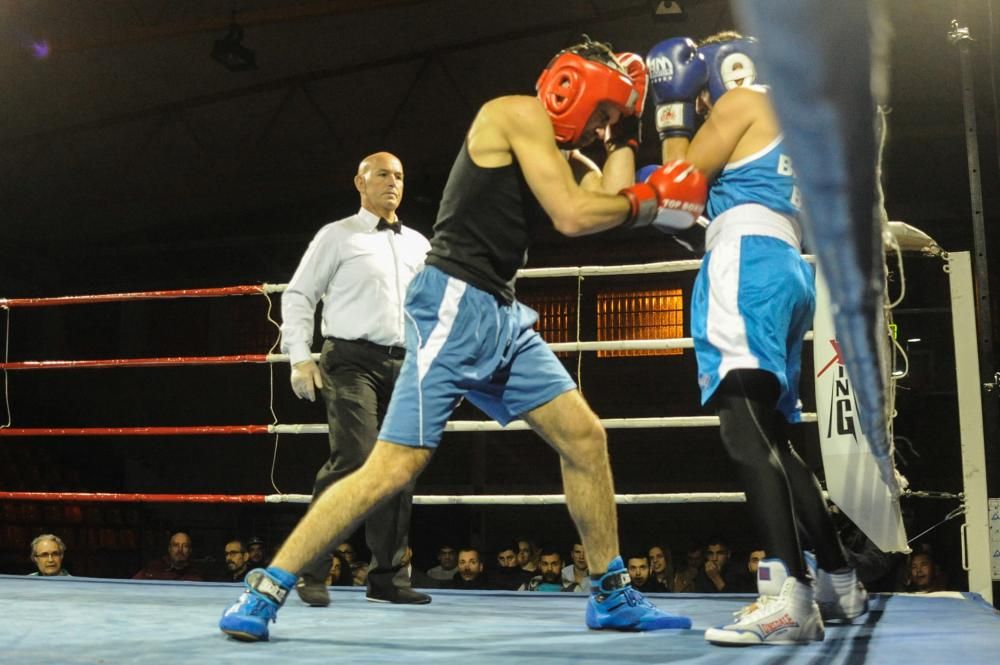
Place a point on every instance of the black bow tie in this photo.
(383, 225)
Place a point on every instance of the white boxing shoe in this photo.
(840, 596)
(785, 612)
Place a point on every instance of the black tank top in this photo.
(484, 225)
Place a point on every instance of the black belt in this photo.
(391, 351)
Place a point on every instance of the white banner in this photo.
(852, 474)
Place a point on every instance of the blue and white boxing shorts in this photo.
(753, 302)
(463, 342)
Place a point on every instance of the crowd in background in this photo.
(524, 565)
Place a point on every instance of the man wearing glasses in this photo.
(237, 560)
(47, 551)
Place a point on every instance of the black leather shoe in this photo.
(381, 589)
(312, 592)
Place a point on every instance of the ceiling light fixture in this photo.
(231, 53)
(667, 10)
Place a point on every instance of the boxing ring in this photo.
(101, 620)
(142, 623)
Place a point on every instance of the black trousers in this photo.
(783, 495)
(358, 379)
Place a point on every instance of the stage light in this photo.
(40, 49)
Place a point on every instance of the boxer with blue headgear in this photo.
(751, 305)
(730, 64)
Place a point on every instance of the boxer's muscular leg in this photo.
(346, 503)
(575, 432)
(572, 429)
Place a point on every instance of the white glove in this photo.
(306, 378)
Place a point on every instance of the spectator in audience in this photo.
(447, 561)
(756, 555)
(358, 568)
(661, 566)
(346, 550)
(638, 570)
(550, 565)
(237, 560)
(507, 557)
(877, 570)
(47, 552)
(527, 555)
(508, 576)
(257, 551)
(684, 578)
(176, 565)
(470, 570)
(746, 580)
(716, 576)
(359, 572)
(925, 574)
(577, 572)
(339, 573)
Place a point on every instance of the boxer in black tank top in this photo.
(468, 337)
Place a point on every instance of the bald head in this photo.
(380, 183)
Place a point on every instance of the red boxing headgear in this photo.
(572, 86)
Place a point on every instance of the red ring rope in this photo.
(252, 289)
(136, 362)
(125, 498)
(133, 431)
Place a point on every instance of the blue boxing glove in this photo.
(677, 74)
(645, 172)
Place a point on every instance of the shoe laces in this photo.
(634, 598)
(258, 605)
(757, 606)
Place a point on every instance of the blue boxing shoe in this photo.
(266, 591)
(615, 605)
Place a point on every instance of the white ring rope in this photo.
(558, 347)
(540, 499)
(521, 425)
(587, 271)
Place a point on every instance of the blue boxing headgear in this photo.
(730, 65)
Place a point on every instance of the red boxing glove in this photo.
(635, 67)
(628, 130)
(679, 191)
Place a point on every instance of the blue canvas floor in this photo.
(72, 621)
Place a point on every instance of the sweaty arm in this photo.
(728, 130)
(519, 128)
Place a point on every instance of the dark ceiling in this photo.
(127, 132)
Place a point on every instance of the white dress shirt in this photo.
(361, 275)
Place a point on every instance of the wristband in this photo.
(643, 205)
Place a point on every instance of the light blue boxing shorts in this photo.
(463, 342)
(752, 304)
